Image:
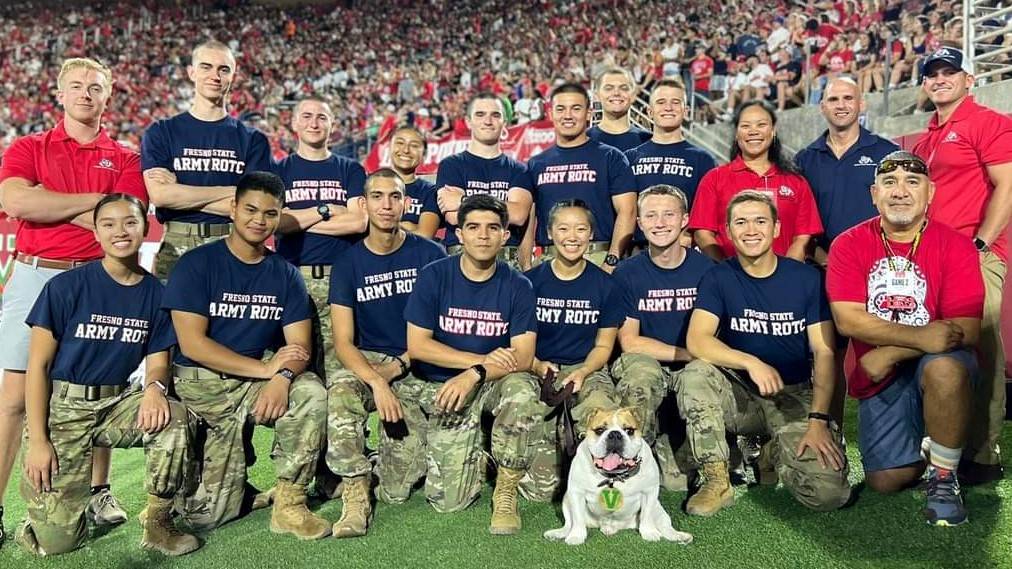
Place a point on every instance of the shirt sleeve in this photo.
(818, 306)
(186, 291)
(709, 296)
(620, 174)
(298, 304)
(429, 203)
(423, 304)
(342, 291)
(612, 313)
(993, 138)
(704, 214)
(808, 222)
(962, 286)
(155, 151)
(258, 158)
(51, 310)
(130, 179)
(163, 336)
(522, 314)
(356, 181)
(521, 178)
(625, 291)
(18, 161)
(449, 175)
(845, 279)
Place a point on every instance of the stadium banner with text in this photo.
(520, 142)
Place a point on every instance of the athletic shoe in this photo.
(104, 510)
(944, 500)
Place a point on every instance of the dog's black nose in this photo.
(614, 442)
(614, 436)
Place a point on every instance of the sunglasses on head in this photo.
(910, 165)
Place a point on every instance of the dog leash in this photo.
(560, 400)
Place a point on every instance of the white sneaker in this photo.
(104, 510)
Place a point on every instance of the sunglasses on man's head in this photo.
(914, 166)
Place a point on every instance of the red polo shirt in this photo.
(958, 154)
(61, 164)
(791, 192)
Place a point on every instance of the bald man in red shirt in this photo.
(968, 149)
(50, 182)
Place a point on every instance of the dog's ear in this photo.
(634, 414)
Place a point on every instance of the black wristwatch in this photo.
(480, 369)
(821, 417)
(286, 373)
(981, 245)
(324, 211)
(611, 260)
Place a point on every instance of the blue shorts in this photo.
(890, 424)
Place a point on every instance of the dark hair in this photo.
(775, 153)
(483, 202)
(409, 128)
(387, 174)
(571, 203)
(570, 88)
(483, 96)
(265, 182)
(746, 196)
(121, 197)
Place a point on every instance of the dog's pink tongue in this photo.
(611, 462)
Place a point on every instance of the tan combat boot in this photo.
(290, 514)
(716, 492)
(505, 513)
(357, 509)
(160, 534)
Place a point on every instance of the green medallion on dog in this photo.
(610, 499)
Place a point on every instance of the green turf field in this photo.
(765, 528)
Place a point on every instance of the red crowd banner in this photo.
(520, 142)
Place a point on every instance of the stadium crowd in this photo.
(393, 61)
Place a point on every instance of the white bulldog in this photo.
(614, 484)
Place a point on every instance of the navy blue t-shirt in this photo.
(629, 139)
(842, 186)
(767, 317)
(679, 164)
(466, 315)
(661, 299)
(247, 306)
(593, 172)
(423, 199)
(376, 288)
(309, 183)
(477, 175)
(202, 153)
(570, 313)
(104, 328)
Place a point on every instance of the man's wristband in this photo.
(404, 365)
(821, 417)
(286, 373)
(159, 385)
(981, 245)
(482, 373)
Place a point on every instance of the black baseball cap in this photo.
(947, 56)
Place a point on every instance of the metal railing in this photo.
(984, 26)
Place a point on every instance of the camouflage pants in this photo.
(544, 474)
(174, 244)
(324, 361)
(349, 402)
(711, 404)
(56, 518)
(455, 461)
(641, 383)
(226, 406)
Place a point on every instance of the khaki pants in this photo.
(989, 393)
(181, 237)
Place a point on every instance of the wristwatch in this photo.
(981, 245)
(611, 260)
(821, 417)
(480, 370)
(324, 211)
(286, 373)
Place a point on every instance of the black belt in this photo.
(198, 229)
(68, 390)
